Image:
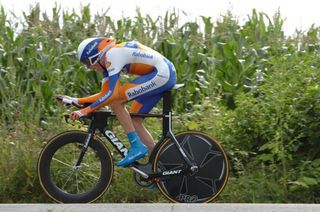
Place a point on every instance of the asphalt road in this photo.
(160, 207)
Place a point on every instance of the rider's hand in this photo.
(76, 115)
(66, 100)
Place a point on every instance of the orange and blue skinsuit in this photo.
(156, 74)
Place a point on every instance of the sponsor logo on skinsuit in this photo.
(143, 55)
(141, 89)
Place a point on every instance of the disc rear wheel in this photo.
(202, 186)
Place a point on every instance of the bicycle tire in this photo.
(202, 186)
(50, 171)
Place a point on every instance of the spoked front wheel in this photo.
(205, 184)
(65, 182)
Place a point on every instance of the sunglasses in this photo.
(91, 60)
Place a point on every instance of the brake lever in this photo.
(77, 105)
(82, 119)
(67, 117)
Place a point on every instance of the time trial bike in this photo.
(187, 167)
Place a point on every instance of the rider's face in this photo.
(95, 67)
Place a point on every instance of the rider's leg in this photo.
(144, 105)
(138, 150)
(118, 107)
(143, 133)
(136, 123)
(146, 91)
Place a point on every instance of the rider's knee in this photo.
(113, 106)
(116, 104)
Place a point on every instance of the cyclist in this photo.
(155, 74)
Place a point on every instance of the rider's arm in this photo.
(95, 97)
(108, 96)
(114, 66)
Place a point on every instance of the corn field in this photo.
(251, 86)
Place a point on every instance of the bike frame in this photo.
(99, 120)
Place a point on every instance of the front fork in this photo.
(84, 148)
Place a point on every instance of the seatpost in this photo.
(166, 110)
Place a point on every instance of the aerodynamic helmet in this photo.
(91, 50)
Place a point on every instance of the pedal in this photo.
(146, 168)
(139, 179)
